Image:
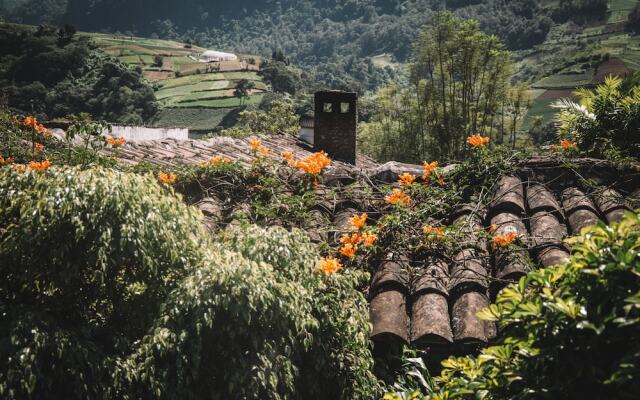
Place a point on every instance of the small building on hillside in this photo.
(217, 56)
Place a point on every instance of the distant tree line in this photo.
(52, 73)
(333, 40)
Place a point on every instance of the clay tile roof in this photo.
(432, 300)
(173, 152)
(543, 203)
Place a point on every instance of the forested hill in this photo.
(334, 38)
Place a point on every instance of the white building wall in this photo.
(137, 133)
(306, 135)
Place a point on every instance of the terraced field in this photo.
(586, 56)
(186, 88)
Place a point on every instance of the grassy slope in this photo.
(571, 49)
(190, 95)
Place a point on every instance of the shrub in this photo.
(256, 322)
(606, 122)
(110, 288)
(569, 331)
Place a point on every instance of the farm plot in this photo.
(620, 9)
(566, 80)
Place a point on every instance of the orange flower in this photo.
(314, 163)
(477, 140)
(492, 228)
(39, 166)
(117, 142)
(167, 178)
(38, 147)
(435, 232)
(329, 265)
(369, 239)
(406, 179)
(428, 169)
(354, 239)
(263, 150)
(397, 196)
(5, 161)
(30, 122)
(503, 240)
(287, 156)
(349, 250)
(255, 143)
(358, 222)
(554, 147)
(215, 160)
(566, 144)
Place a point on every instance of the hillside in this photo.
(190, 93)
(576, 56)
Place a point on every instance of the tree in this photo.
(633, 23)
(113, 301)
(458, 80)
(158, 61)
(243, 88)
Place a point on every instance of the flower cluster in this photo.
(358, 222)
(430, 171)
(313, 164)
(116, 142)
(350, 242)
(477, 141)
(167, 178)
(406, 179)
(31, 122)
(503, 240)
(329, 265)
(398, 197)
(428, 168)
(287, 156)
(6, 161)
(565, 144)
(39, 166)
(215, 160)
(257, 147)
(434, 232)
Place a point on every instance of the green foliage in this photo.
(633, 22)
(458, 86)
(606, 122)
(83, 141)
(569, 331)
(279, 119)
(334, 41)
(87, 258)
(52, 74)
(282, 78)
(110, 288)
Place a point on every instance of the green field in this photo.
(619, 9)
(570, 59)
(565, 80)
(190, 93)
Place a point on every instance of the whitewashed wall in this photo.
(306, 134)
(136, 133)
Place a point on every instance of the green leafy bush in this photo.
(606, 122)
(111, 289)
(86, 258)
(256, 322)
(569, 331)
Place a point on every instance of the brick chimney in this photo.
(335, 124)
